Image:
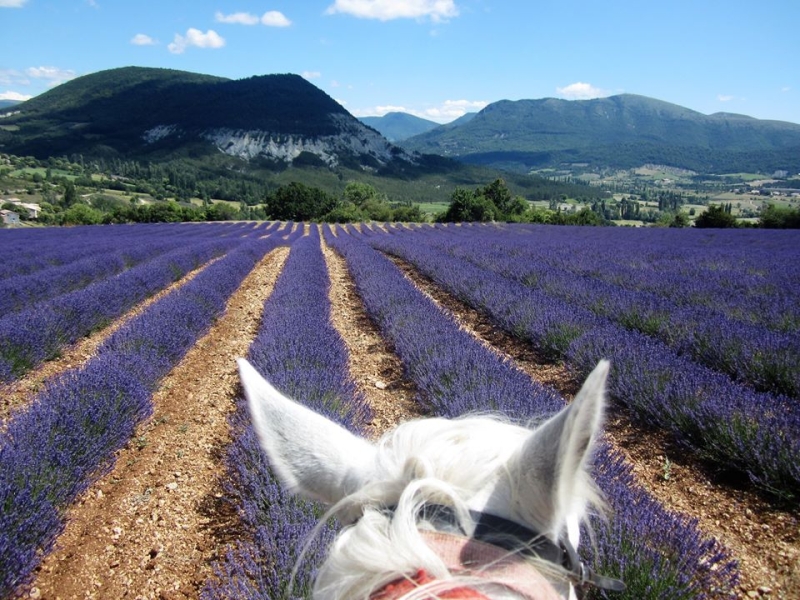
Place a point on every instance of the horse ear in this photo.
(550, 473)
(309, 453)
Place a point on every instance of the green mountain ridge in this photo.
(398, 126)
(619, 131)
(138, 112)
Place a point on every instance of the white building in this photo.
(33, 209)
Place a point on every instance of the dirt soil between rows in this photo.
(16, 394)
(151, 528)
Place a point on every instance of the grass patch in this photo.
(432, 208)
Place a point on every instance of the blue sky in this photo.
(433, 58)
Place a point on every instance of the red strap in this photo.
(399, 587)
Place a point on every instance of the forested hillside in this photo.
(620, 131)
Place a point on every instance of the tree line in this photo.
(74, 192)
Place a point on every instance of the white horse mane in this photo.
(537, 478)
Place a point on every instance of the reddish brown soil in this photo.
(154, 524)
(16, 394)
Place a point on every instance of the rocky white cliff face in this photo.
(354, 139)
(156, 133)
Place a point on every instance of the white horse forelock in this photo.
(470, 473)
(535, 477)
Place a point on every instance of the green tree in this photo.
(469, 206)
(499, 194)
(360, 193)
(371, 203)
(585, 216)
(345, 213)
(81, 214)
(376, 209)
(773, 217)
(161, 212)
(680, 220)
(70, 194)
(408, 213)
(299, 202)
(518, 207)
(715, 217)
(221, 211)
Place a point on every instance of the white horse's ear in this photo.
(311, 454)
(550, 473)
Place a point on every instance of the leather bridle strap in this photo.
(518, 538)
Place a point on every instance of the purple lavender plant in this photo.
(56, 446)
(297, 350)
(658, 554)
(30, 337)
(703, 408)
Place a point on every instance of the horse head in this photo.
(475, 507)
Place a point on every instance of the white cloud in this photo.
(13, 77)
(785, 89)
(14, 96)
(195, 37)
(239, 18)
(53, 75)
(724, 98)
(452, 109)
(384, 110)
(386, 10)
(273, 18)
(310, 74)
(141, 39)
(12, 3)
(581, 91)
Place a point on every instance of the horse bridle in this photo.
(519, 539)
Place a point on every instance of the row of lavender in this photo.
(27, 251)
(656, 553)
(52, 450)
(705, 326)
(726, 271)
(97, 254)
(301, 353)
(724, 420)
(53, 307)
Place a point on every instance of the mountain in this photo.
(397, 126)
(8, 103)
(620, 131)
(465, 118)
(136, 112)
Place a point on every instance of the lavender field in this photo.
(701, 328)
